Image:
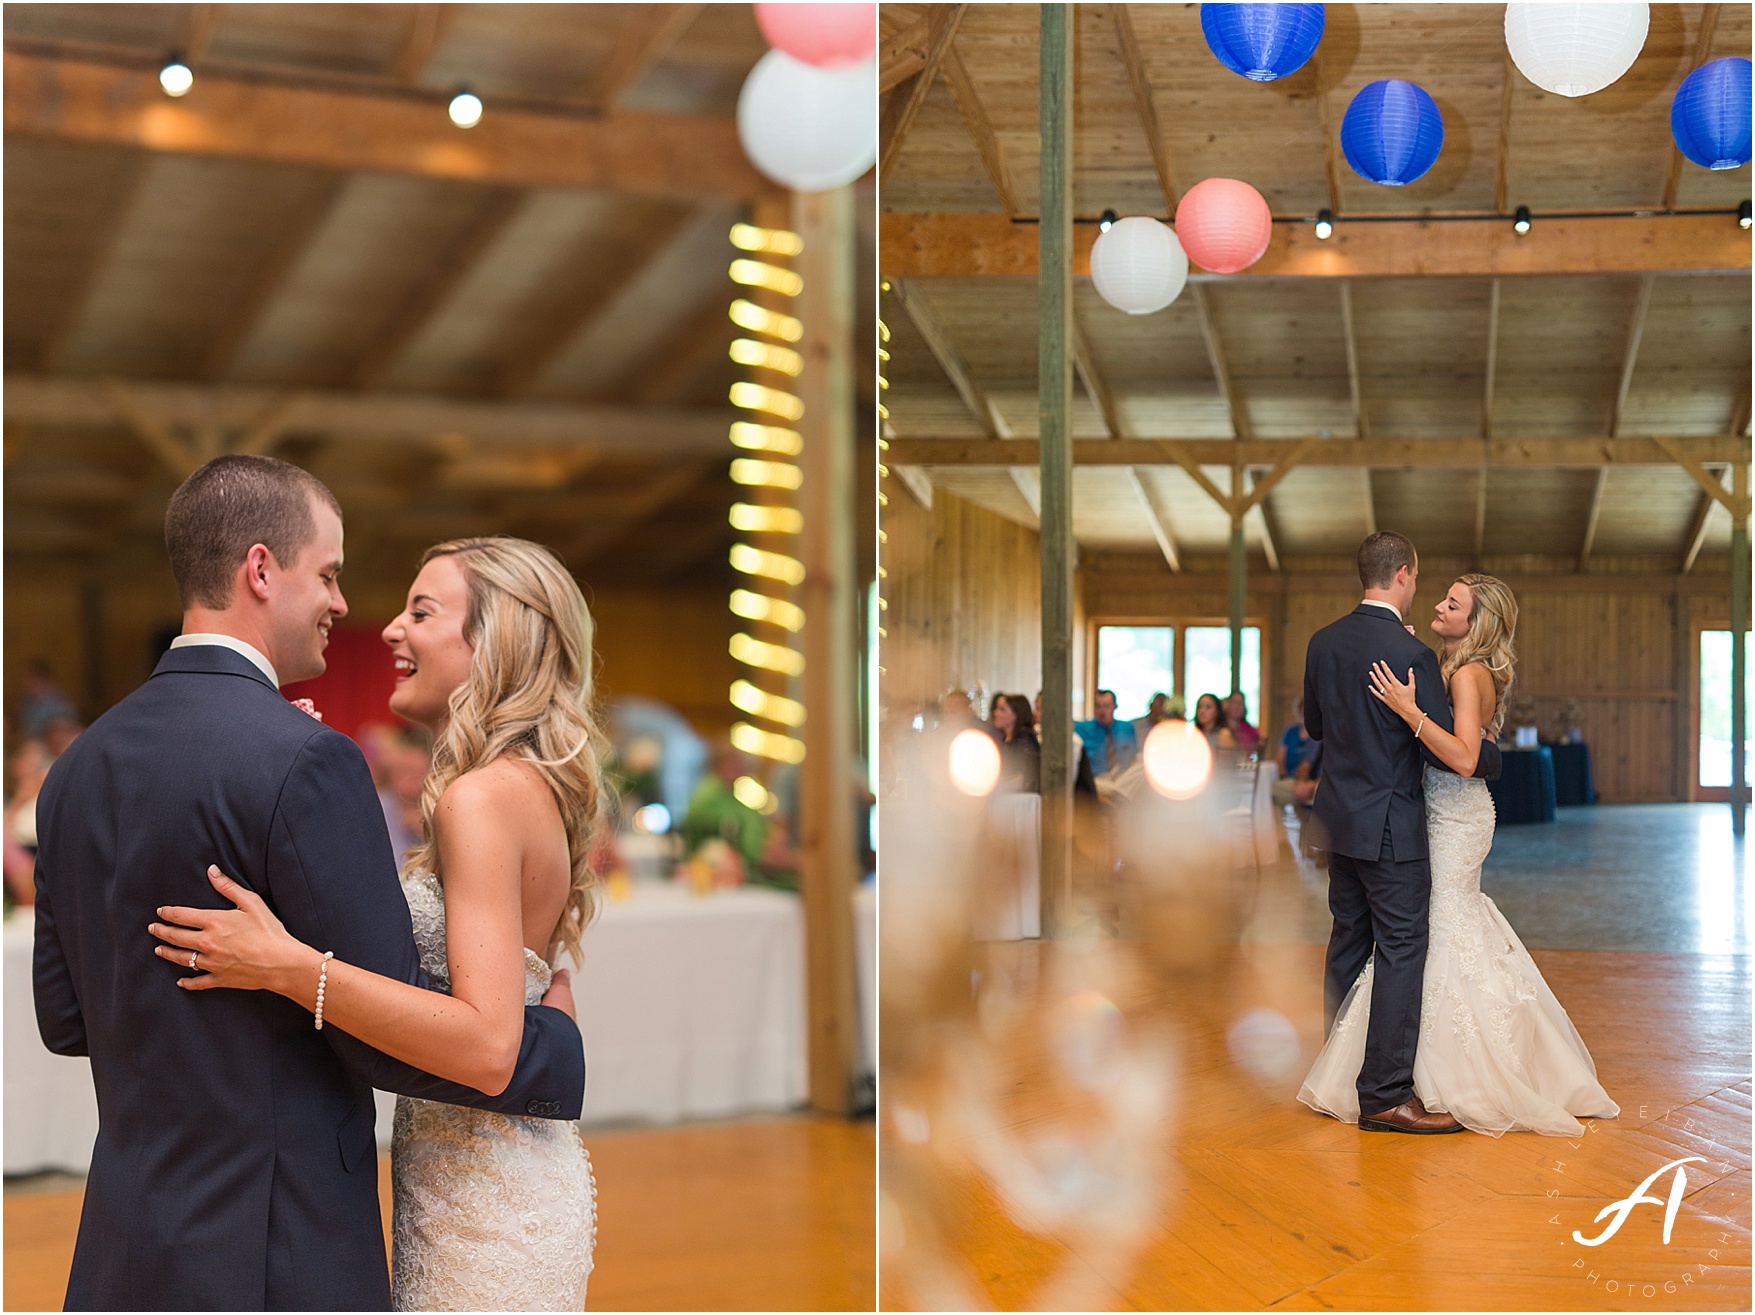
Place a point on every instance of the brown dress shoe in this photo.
(1410, 1116)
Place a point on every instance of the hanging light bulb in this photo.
(465, 109)
(175, 77)
(1106, 222)
(1743, 215)
(1520, 223)
(1325, 224)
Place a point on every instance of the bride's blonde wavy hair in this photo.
(1492, 630)
(528, 694)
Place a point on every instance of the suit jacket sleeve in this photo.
(59, 1018)
(1312, 702)
(330, 873)
(1429, 694)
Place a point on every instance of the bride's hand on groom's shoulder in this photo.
(245, 948)
(1401, 698)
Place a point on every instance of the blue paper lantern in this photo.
(1710, 115)
(1392, 133)
(1262, 42)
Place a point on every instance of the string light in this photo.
(756, 274)
(766, 520)
(1520, 223)
(752, 606)
(759, 397)
(769, 241)
(766, 744)
(766, 356)
(756, 473)
(752, 437)
(759, 703)
(751, 793)
(759, 319)
(1325, 224)
(754, 652)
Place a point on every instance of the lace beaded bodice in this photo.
(492, 1211)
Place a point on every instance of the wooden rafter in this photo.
(129, 184)
(427, 28)
(1209, 332)
(412, 418)
(1590, 521)
(1028, 482)
(1085, 365)
(636, 510)
(1710, 483)
(646, 35)
(1696, 537)
(1260, 519)
(454, 263)
(1331, 139)
(301, 223)
(917, 481)
(684, 354)
(902, 104)
(1502, 160)
(1380, 453)
(950, 359)
(1355, 388)
(961, 245)
(544, 341)
(1134, 60)
(1492, 368)
(689, 157)
(1244, 498)
(1630, 354)
(1156, 517)
(987, 144)
(1480, 513)
(903, 54)
(1701, 53)
(202, 21)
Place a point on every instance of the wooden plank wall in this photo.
(965, 606)
(1621, 645)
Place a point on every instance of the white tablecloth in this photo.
(1015, 821)
(691, 1007)
(865, 961)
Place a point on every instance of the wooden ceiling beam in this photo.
(427, 28)
(1378, 453)
(1085, 365)
(544, 340)
(987, 144)
(1028, 482)
(129, 184)
(1356, 389)
(1492, 369)
(1701, 53)
(902, 104)
(637, 509)
(1630, 354)
(1502, 159)
(1261, 521)
(962, 245)
(203, 19)
(1591, 519)
(646, 36)
(950, 359)
(301, 223)
(1711, 483)
(1133, 57)
(385, 417)
(1157, 517)
(1331, 138)
(679, 360)
(903, 54)
(1209, 332)
(1696, 536)
(454, 263)
(683, 156)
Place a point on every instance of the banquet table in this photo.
(865, 962)
(1525, 791)
(691, 1007)
(1572, 779)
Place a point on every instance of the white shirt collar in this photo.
(238, 646)
(1378, 602)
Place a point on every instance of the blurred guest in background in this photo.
(1084, 779)
(25, 771)
(1295, 744)
(1020, 753)
(1209, 717)
(956, 712)
(43, 702)
(682, 754)
(1237, 718)
(1156, 711)
(1111, 745)
(406, 763)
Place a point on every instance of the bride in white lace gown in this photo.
(1496, 1049)
(493, 654)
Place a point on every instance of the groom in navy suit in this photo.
(235, 1166)
(1370, 813)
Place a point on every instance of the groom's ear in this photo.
(254, 572)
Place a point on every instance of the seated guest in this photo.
(43, 702)
(716, 813)
(1209, 719)
(957, 713)
(1236, 717)
(1020, 753)
(1084, 781)
(1111, 745)
(1156, 711)
(1295, 746)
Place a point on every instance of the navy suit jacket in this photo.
(235, 1166)
(1371, 776)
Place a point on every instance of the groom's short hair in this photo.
(225, 508)
(1381, 556)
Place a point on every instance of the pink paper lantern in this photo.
(1224, 225)
(826, 36)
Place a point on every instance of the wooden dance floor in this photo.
(770, 1214)
(1264, 1203)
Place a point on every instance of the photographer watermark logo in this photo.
(1624, 1207)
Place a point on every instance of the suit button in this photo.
(543, 1107)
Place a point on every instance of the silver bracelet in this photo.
(322, 983)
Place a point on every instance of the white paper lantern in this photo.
(1575, 49)
(808, 128)
(1138, 265)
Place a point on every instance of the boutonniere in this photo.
(306, 706)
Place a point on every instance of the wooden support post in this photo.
(1054, 389)
(1237, 593)
(827, 849)
(1739, 624)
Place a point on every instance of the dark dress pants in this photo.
(1380, 905)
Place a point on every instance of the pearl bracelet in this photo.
(1421, 726)
(322, 983)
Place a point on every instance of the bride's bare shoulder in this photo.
(504, 786)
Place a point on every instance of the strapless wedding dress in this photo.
(492, 1212)
(1496, 1050)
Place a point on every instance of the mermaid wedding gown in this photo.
(1496, 1050)
(492, 1212)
